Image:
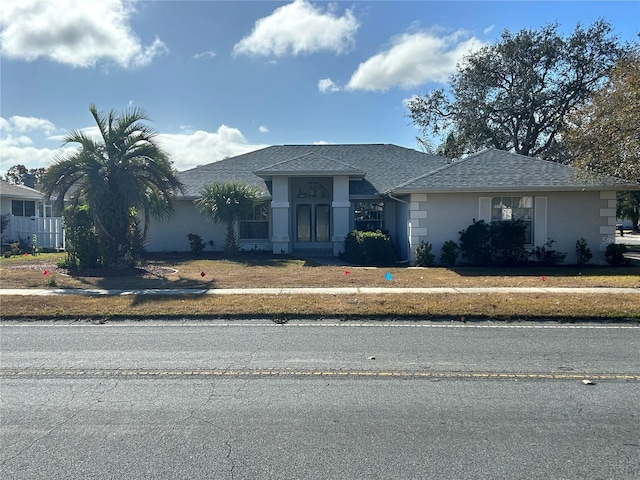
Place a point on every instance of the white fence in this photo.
(48, 231)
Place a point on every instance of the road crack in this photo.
(60, 424)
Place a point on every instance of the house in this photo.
(314, 195)
(28, 215)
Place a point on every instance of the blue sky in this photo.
(222, 78)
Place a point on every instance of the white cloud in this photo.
(187, 150)
(299, 28)
(413, 60)
(74, 32)
(321, 142)
(4, 124)
(206, 55)
(26, 124)
(489, 29)
(20, 150)
(263, 129)
(200, 147)
(326, 85)
(17, 144)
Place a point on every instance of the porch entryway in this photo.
(312, 214)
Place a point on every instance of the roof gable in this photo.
(310, 164)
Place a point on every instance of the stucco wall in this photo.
(5, 205)
(570, 216)
(171, 235)
(435, 218)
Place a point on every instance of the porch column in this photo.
(341, 212)
(607, 223)
(417, 228)
(280, 241)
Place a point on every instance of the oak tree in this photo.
(605, 133)
(516, 94)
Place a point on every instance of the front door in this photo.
(312, 215)
(313, 222)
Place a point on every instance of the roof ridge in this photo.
(306, 154)
(429, 173)
(284, 161)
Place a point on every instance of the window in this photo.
(23, 208)
(45, 210)
(312, 190)
(369, 216)
(256, 224)
(514, 208)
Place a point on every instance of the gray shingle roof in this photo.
(310, 164)
(19, 191)
(493, 170)
(383, 165)
(393, 169)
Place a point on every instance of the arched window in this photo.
(312, 190)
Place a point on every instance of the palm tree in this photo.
(227, 203)
(121, 174)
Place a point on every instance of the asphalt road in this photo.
(246, 400)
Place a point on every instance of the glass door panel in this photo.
(323, 220)
(303, 222)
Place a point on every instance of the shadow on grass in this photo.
(557, 271)
(137, 278)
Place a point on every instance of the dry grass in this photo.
(269, 271)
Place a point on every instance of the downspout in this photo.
(406, 260)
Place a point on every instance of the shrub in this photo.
(424, 257)
(475, 243)
(614, 255)
(196, 243)
(368, 248)
(583, 253)
(135, 242)
(81, 239)
(16, 248)
(4, 224)
(449, 253)
(546, 255)
(507, 243)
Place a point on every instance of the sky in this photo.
(222, 78)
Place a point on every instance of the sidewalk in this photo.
(314, 291)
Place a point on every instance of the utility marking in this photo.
(275, 372)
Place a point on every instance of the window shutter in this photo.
(484, 209)
(540, 221)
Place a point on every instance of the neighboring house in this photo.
(29, 215)
(315, 194)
